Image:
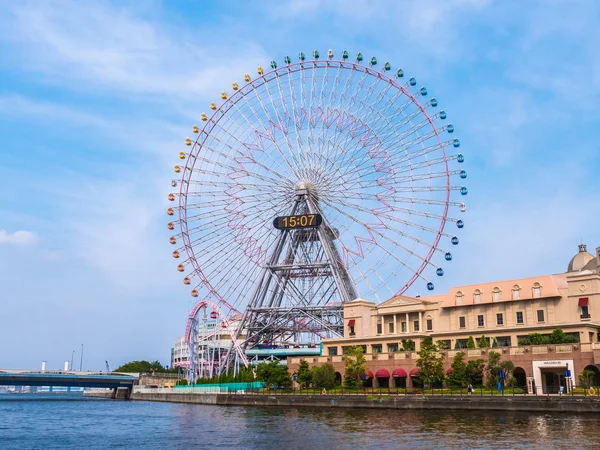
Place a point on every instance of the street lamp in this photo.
(81, 360)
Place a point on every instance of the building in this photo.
(505, 312)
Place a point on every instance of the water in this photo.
(70, 421)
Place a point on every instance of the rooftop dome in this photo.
(580, 260)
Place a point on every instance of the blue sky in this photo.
(97, 96)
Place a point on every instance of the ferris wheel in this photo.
(313, 183)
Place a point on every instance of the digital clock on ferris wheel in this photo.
(301, 221)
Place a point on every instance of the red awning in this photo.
(583, 301)
(382, 373)
(351, 323)
(369, 374)
(399, 373)
(449, 371)
(414, 372)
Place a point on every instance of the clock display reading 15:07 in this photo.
(301, 221)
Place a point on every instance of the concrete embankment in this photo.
(121, 394)
(516, 403)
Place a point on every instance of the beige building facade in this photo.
(505, 312)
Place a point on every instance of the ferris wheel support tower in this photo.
(303, 286)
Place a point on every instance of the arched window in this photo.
(429, 323)
(537, 290)
(459, 298)
(496, 294)
(477, 296)
(516, 292)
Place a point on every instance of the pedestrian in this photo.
(469, 388)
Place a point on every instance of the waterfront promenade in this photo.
(533, 403)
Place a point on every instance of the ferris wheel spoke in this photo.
(397, 220)
(283, 127)
(373, 230)
(292, 166)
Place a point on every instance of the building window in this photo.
(376, 348)
(584, 305)
(403, 326)
(585, 313)
(352, 330)
(332, 351)
(364, 348)
(461, 343)
(540, 315)
(537, 290)
(345, 350)
(516, 292)
(429, 324)
(416, 325)
(391, 327)
(477, 296)
(447, 343)
(462, 323)
(459, 298)
(480, 321)
(378, 328)
(503, 341)
(499, 319)
(392, 348)
(520, 318)
(496, 294)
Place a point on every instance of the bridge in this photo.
(114, 380)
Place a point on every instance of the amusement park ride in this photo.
(310, 185)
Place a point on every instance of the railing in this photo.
(381, 393)
(471, 352)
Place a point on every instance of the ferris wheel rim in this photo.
(278, 73)
(220, 112)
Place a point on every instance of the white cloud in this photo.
(93, 45)
(20, 237)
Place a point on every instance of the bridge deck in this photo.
(73, 379)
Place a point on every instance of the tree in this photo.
(304, 375)
(143, 366)
(536, 338)
(471, 342)
(558, 336)
(355, 365)
(474, 371)
(586, 378)
(324, 376)
(408, 345)
(494, 343)
(483, 342)
(431, 362)
(494, 367)
(273, 374)
(182, 382)
(458, 375)
(524, 341)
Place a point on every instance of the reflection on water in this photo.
(52, 422)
